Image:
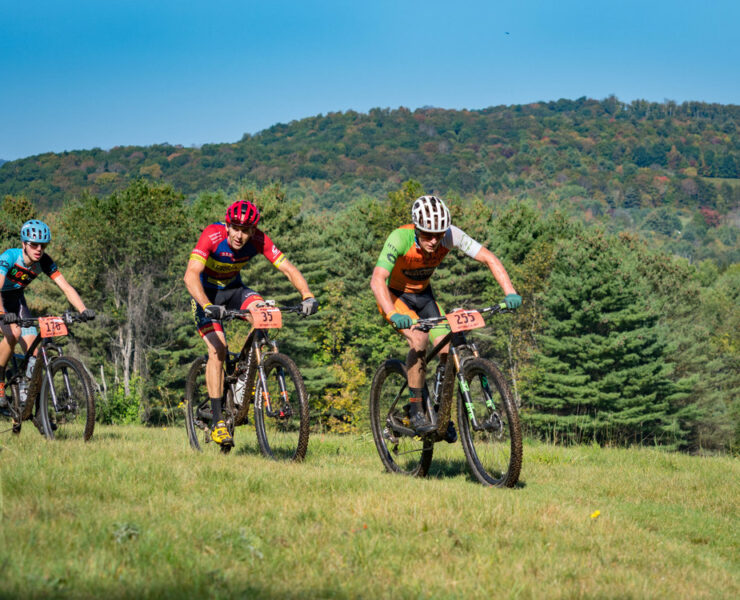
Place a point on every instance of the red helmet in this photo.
(242, 212)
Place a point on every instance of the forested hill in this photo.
(621, 154)
(670, 170)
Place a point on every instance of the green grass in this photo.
(135, 513)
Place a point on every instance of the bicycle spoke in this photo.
(67, 405)
(399, 450)
(489, 425)
(281, 410)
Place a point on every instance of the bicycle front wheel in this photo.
(400, 450)
(489, 425)
(281, 410)
(66, 408)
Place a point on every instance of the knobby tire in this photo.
(404, 454)
(284, 434)
(74, 416)
(494, 452)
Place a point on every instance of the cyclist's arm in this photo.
(2, 283)
(69, 291)
(380, 289)
(498, 271)
(294, 276)
(192, 281)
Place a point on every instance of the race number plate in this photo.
(463, 320)
(52, 327)
(266, 317)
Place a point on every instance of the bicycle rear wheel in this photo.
(489, 425)
(12, 414)
(281, 410)
(400, 450)
(66, 408)
(198, 415)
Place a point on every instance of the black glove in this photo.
(10, 318)
(309, 306)
(88, 314)
(215, 311)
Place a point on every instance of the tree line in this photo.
(617, 342)
(653, 168)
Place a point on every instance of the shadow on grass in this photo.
(105, 434)
(445, 467)
(217, 585)
(246, 449)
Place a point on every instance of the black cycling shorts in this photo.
(232, 297)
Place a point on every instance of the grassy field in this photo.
(137, 514)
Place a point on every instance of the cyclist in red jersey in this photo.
(400, 283)
(213, 280)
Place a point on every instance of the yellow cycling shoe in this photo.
(221, 435)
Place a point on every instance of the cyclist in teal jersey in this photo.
(18, 268)
(400, 283)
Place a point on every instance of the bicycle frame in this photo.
(272, 382)
(249, 364)
(487, 417)
(43, 344)
(41, 392)
(453, 370)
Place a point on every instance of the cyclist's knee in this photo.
(9, 335)
(216, 346)
(416, 357)
(217, 353)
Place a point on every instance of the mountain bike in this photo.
(486, 413)
(260, 375)
(57, 386)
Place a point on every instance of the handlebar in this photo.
(67, 316)
(430, 322)
(235, 314)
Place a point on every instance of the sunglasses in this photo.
(249, 229)
(35, 245)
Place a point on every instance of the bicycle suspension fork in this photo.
(285, 410)
(50, 379)
(464, 388)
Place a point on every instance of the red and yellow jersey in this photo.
(222, 264)
(410, 268)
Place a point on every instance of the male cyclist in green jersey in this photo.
(400, 283)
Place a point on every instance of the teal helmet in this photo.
(35, 231)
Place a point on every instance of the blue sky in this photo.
(85, 73)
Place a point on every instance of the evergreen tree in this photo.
(603, 369)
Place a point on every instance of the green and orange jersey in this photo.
(410, 268)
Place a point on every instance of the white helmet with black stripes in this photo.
(430, 214)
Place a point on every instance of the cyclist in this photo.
(212, 278)
(18, 268)
(400, 283)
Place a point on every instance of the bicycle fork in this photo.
(285, 411)
(50, 382)
(492, 421)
